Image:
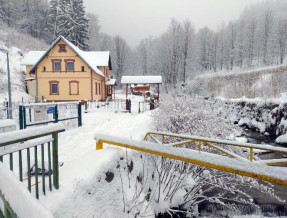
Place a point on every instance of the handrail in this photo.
(50, 103)
(51, 169)
(13, 137)
(233, 165)
(210, 143)
(12, 208)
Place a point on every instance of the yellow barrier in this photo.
(231, 162)
(210, 143)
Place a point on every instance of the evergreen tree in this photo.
(52, 20)
(72, 23)
(2, 13)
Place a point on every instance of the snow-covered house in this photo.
(66, 73)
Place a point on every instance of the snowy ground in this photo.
(83, 165)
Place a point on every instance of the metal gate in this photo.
(44, 113)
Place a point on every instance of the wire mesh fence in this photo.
(43, 113)
(143, 106)
(147, 106)
(114, 105)
(4, 109)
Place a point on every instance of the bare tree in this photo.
(282, 32)
(188, 32)
(268, 22)
(250, 41)
(94, 31)
(121, 50)
(232, 35)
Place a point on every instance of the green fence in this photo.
(44, 113)
(21, 155)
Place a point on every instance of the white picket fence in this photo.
(114, 105)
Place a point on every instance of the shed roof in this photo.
(141, 80)
(32, 57)
(111, 82)
(93, 59)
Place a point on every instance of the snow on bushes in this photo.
(174, 186)
(193, 116)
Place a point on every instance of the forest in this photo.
(256, 39)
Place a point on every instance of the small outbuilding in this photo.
(141, 80)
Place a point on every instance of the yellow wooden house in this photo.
(65, 73)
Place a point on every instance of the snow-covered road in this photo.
(83, 164)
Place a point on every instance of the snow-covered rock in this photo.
(268, 117)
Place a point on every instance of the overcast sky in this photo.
(135, 20)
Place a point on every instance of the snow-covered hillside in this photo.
(17, 76)
(18, 45)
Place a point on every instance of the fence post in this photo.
(56, 114)
(24, 117)
(139, 107)
(127, 104)
(79, 114)
(86, 105)
(151, 106)
(130, 106)
(7, 109)
(21, 117)
(55, 161)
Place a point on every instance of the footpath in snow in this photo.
(84, 166)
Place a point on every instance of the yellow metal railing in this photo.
(229, 162)
(213, 143)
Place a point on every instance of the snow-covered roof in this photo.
(111, 82)
(32, 57)
(92, 58)
(30, 79)
(100, 58)
(141, 80)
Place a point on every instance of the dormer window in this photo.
(62, 48)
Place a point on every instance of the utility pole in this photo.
(9, 88)
(6, 51)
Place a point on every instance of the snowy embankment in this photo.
(16, 76)
(84, 191)
(269, 117)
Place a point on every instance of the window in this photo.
(96, 87)
(74, 87)
(83, 69)
(99, 88)
(44, 68)
(62, 48)
(54, 88)
(70, 66)
(56, 65)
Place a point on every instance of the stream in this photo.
(269, 206)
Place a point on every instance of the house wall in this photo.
(102, 94)
(31, 85)
(85, 80)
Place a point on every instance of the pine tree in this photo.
(52, 20)
(72, 23)
(2, 13)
